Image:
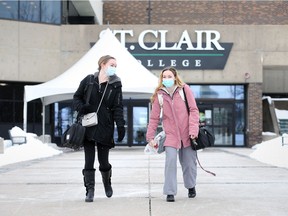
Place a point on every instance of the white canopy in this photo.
(137, 81)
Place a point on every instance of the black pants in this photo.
(102, 154)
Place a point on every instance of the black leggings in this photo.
(102, 153)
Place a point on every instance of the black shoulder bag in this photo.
(204, 139)
(74, 136)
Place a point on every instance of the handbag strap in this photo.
(102, 98)
(187, 107)
(89, 91)
(161, 101)
(186, 101)
(90, 86)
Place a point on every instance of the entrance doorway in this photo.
(224, 120)
(223, 113)
(222, 108)
(136, 114)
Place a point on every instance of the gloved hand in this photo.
(87, 108)
(121, 133)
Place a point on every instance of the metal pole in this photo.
(25, 114)
(43, 121)
(149, 11)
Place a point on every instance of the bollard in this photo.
(1, 145)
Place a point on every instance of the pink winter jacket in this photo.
(175, 118)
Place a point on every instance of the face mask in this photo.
(168, 82)
(110, 71)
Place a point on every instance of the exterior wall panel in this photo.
(32, 52)
(47, 51)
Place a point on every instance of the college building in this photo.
(230, 53)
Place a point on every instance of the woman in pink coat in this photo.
(179, 126)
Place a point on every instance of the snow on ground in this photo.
(270, 152)
(33, 149)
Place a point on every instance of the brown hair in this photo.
(104, 59)
(178, 81)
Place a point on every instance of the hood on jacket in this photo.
(111, 80)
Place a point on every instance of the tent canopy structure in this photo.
(137, 81)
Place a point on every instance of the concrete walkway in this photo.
(53, 186)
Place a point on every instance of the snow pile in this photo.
(281, 114)
(33, 149)
(272, 152)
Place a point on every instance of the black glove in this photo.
(121, 133)
(87, 108)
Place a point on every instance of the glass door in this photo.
(140, 121)
(136, 116)
(219, 118)
(223, 122)
(205, 114)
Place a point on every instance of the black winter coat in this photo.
(110, 111)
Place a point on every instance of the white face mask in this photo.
(110, 71)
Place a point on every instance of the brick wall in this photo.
(254, 112)
(196, 12)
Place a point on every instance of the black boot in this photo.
(170, 198)
(106, 179)
(89, 183)
(192, 192)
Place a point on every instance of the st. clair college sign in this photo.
(207, 53)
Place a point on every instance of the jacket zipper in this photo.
(174, 116)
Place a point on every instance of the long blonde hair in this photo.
(178, 81)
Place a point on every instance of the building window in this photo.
(9, 9)
(31, 10)
(51, 12)
(218, 91)
(11, 105)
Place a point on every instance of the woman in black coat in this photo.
(101, 135)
